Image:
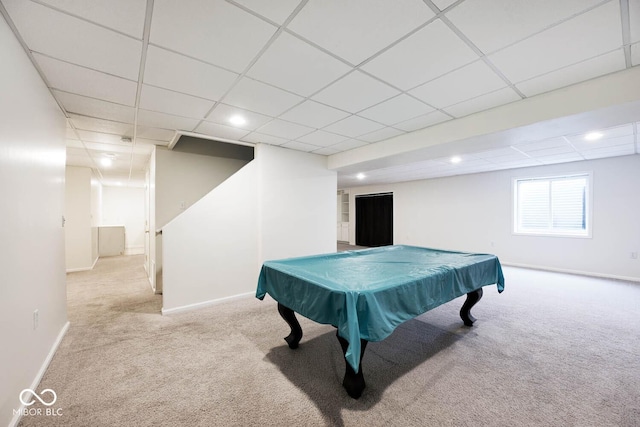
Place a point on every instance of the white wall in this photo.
(77, 212)
(125, 206)
(210, 252)
(297, 203)
(181, 179)
(474, 213)
(280, 205)
(32, 261)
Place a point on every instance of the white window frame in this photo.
(552, 233)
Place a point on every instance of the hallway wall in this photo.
(32, 260)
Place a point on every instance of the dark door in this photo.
(374, 220)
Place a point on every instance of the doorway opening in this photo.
(374, 219)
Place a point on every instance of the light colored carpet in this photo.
(552, 350)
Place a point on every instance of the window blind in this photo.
(552, 205)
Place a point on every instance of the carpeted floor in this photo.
(552, 350)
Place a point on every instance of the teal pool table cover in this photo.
(367, 293)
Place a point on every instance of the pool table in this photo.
(367, 293)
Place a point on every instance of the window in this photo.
(557, 206)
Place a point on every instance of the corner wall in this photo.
(474, 213)
(125, 206)
(32, 260)
(77, 213)
(282, 204)
(180, 180)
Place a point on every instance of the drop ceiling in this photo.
(320, 76)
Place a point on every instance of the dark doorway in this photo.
(374, 220)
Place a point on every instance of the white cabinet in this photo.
(110, 240)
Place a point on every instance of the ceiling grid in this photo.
(324, 77)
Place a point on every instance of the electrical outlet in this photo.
(634, 255)
(35, 319)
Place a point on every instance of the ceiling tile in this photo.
(104, 138)
(126, 16)
(300, 146)
(284, 129)
(255, 96)
(559, 158)
(345, 28)
(277, 11)
(165, 121)
(397, 109)
(99, 125)
(578, 140)
(256, 137)
(222, 113)
(380, 135)
(443, 4)
(425, 55)
(296, 66)
(465, 83)
(159, 134)
(212, 30)
(97, 147)
(322, 139)
(594, 67)
(94, 107)
(604, 144)
(494, 24)
(84, 81)
(326, 151)
(618, 150)
(423, 121)
(147, 141)
(549, 147)
(634, 20)
(74, 143)
(353, 126)
(314, 114)
(523, 163)
(221, 131)
(501, 155)
(178, 104)
(355, 92)
(349, 144)
(592, 33)
(74, 40)
(70, 133)
(182, 74)
(483, 102)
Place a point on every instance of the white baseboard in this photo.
(134, 250)
(75, 270)
(34, 384)
(206, 303)
(577, 272)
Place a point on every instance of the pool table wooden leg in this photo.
(353, 382)
(293, 339)
(465, 311)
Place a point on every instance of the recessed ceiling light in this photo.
(237, 120)
(456, 159)
(361, 176)
(106, 162)
(593, 136)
